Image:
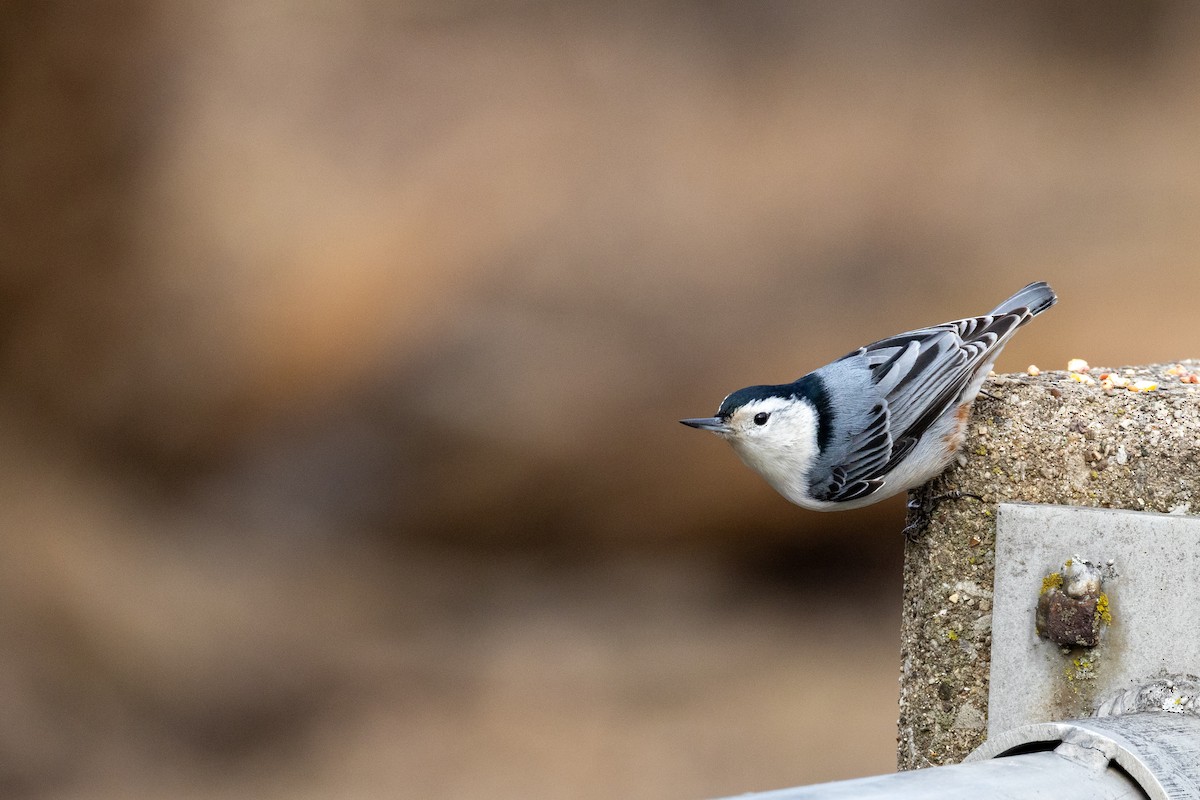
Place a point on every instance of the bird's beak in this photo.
(714, 424)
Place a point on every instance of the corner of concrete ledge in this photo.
(1058, 437)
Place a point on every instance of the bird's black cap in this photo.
(810, 387)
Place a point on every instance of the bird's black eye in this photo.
(761, 418)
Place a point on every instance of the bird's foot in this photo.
(920, 510)
(953, 494)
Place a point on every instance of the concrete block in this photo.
(1050, 439)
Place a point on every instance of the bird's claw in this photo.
(920, 510)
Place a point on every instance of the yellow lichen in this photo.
(1051, 581)
(1103, 614)
(952, 636)
(1079, 669)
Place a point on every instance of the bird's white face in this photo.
(766, 419)
(777, 438)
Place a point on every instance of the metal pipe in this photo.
(1034, 775)
(1153, 755)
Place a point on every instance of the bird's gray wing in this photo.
(919, 376)
(867, 454)
(922, 374)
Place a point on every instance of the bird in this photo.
(878, 421)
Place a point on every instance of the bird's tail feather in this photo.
(1036, 297)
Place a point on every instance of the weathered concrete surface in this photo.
(1151, 585)
(1045, 439)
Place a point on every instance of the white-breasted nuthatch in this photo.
(882, 419)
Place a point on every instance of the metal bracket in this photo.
(1151, 566)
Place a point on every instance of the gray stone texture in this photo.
(1038, 439)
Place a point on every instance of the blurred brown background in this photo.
(342, 344)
